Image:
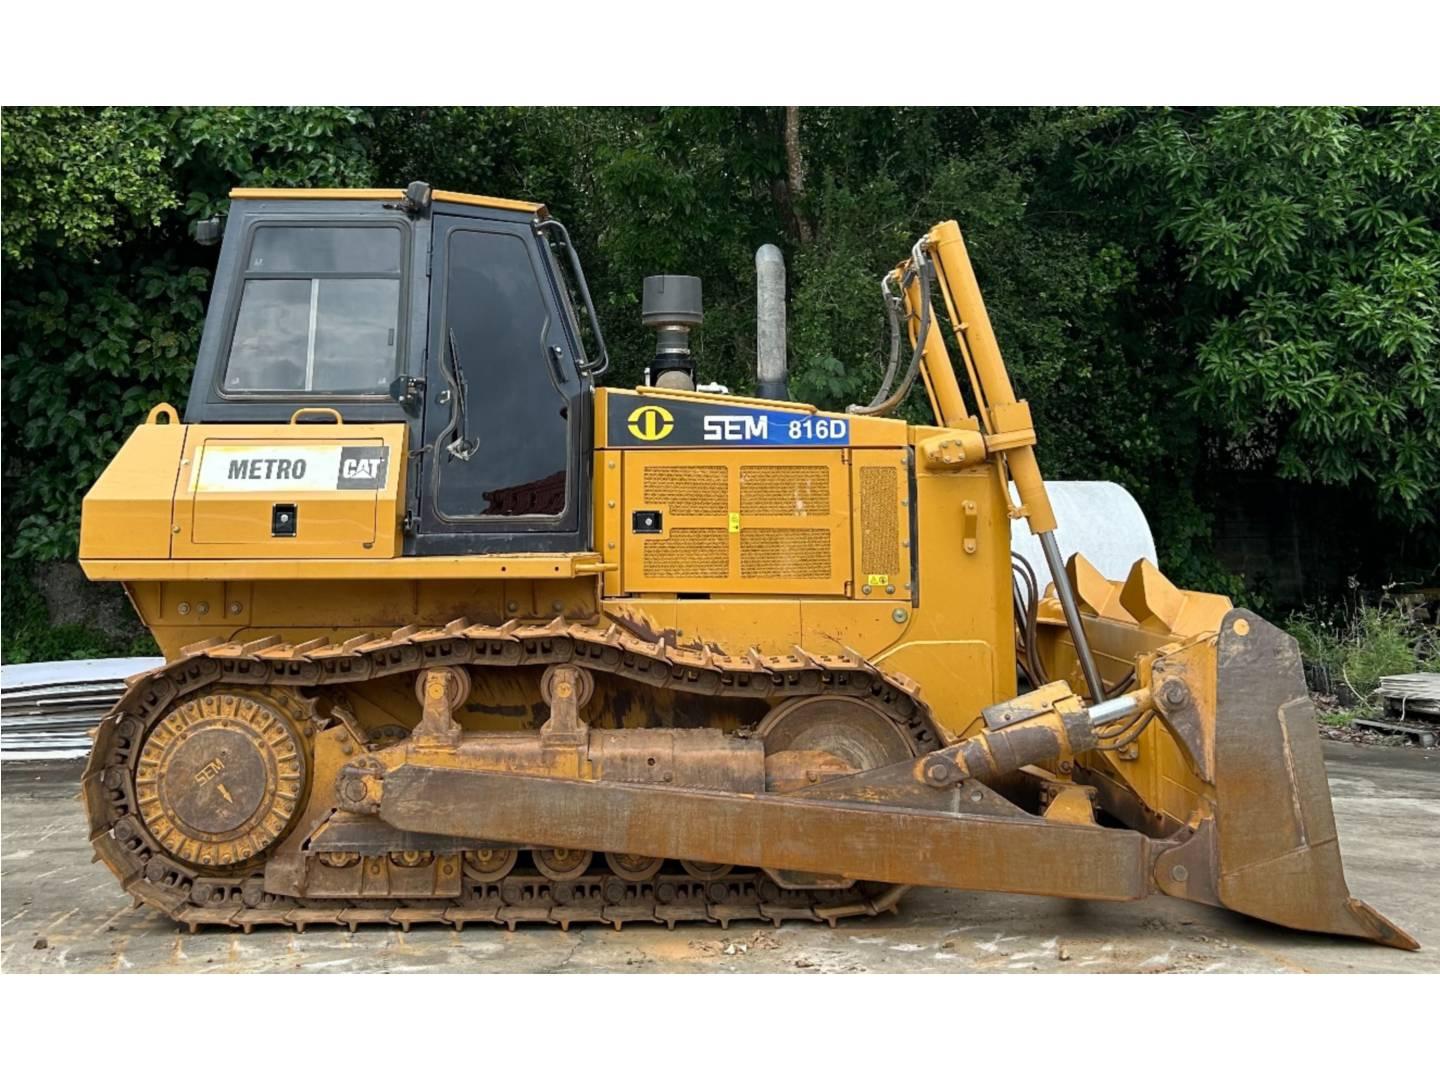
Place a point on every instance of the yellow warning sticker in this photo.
(878, 579)
(734, 522)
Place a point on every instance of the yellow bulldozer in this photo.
(454, 635)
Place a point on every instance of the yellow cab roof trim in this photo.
(386, 193)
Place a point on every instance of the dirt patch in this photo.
(759, 941)
(72, 599)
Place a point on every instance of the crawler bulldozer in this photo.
(455, 635)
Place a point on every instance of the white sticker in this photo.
(291, 468)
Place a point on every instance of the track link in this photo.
(122, 842)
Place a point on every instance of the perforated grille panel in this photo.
(756, 521)
(688, 553)
(687, 490)
(785, 490)
(879, 520)
(785, 553)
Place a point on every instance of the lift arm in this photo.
(940, 259)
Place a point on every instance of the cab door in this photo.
(506, 413)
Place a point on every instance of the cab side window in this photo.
(319, 312)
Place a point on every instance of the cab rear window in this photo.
(319, 312)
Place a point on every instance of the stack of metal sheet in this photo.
(1412, 707)
(47, 710)
(1416, 693)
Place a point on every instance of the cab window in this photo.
(513, 432)
(319, 312)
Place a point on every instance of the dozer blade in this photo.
(1261, 841)
(1274, 834)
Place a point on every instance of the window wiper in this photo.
(463, 447)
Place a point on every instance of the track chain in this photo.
(153, 879)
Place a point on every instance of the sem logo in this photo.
(741, 428)
(650, 422)
(213, 768)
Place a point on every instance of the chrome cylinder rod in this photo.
(1072, 616)
(1107, 712)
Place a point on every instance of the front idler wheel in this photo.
(221, 778)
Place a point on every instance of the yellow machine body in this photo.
(761, 549)
(790, 644)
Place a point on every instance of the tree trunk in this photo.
(795, 171)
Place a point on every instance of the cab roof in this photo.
(387, 193)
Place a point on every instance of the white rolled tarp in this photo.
(1097, 518)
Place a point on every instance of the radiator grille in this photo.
(768, 521)
(785, 553)
(689, 553)
(687, 490)
(879, 520)
(785, 490)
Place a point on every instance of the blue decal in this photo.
(761, 427)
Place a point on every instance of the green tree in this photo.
(1179, 294)
(104, 294)
(1301, 248)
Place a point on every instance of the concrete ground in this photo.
(58, 912)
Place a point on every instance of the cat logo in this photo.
(651, 423)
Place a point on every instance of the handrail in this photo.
(603, 364)
(725, 399)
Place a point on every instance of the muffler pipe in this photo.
(770, 364)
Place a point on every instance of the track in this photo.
(237, 898)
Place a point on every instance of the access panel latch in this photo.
(283, 519)
(647, 521)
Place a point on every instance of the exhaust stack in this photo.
(770, 324)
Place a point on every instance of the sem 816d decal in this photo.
(278, 467)
(699, 423)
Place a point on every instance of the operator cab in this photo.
(449, 313)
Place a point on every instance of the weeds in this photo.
(1347, 654)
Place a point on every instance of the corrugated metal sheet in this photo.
(47, 710)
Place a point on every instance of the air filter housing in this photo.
(671, 305)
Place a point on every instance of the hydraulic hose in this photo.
(921, 266)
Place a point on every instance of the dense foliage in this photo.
(104, 295)
(1182, 295)
(1308, 254)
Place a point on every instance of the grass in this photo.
(1354, 649)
